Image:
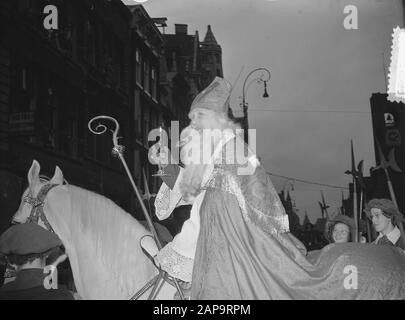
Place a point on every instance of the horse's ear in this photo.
(33, 173)
(57, 177)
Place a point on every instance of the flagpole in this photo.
(356, 223)
(355, 208)
(394, 199)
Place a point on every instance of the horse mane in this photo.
(112, 233)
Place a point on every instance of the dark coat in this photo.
(28, 285)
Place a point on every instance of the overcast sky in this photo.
(322, 79)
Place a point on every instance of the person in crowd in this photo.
(340, 229)
(26, 247)
(387, 222)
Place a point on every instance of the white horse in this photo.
(102, 241)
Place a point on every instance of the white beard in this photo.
(198, 165)
(193, 178)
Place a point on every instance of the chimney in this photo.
(181, 28)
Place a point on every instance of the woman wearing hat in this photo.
(386, 220)
(26, 247)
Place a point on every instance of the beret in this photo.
(386, 206)
(345, 220)
(27, 238)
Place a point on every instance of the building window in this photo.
(154, 83)
(24, 94)
(146, 125)
(137, 115)
(25, 90)
(138, 67)
(68, 137)
(146, 77)
(119, 64)
(92, 42)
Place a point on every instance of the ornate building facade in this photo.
(104, 58)
(190, 66)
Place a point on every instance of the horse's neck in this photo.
(116, 272)
(96, 278)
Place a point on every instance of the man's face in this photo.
(380, 221)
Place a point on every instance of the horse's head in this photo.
(32, 200)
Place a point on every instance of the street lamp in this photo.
(245, 104)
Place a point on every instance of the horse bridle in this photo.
(37, 211)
